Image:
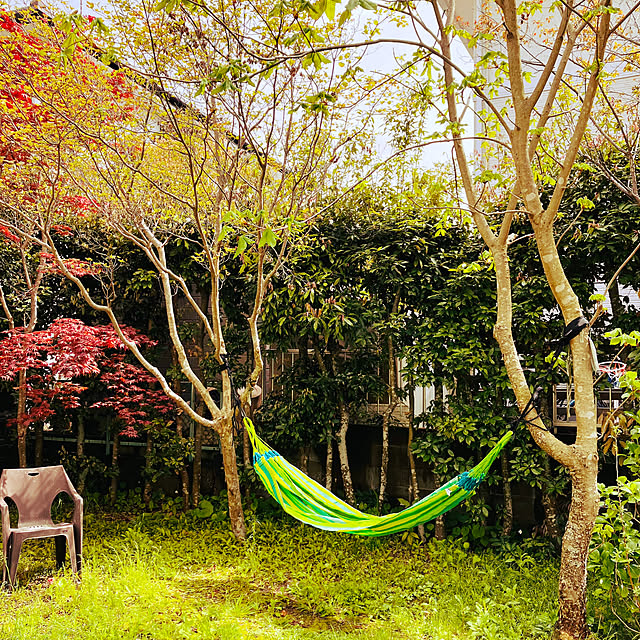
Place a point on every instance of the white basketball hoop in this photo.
(613, 370)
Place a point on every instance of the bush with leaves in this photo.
(614, 561)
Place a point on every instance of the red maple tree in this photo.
(60, 361)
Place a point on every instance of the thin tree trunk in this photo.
(80, 437)
(549, 502)
(115, 469)
(393, 403)
(83, 469)
(440, 530)
(246, 450)
(617, 308)
(507, 520)
(550, 505)
(39, 444)
(304, 459)
(183, 474)
(196, 481)
(233, 481)
(21, 417)
(438, 406)
(328, 475)
(414, 491)
(347, 483)
(148, 451)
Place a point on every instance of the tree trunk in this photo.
(304, 459)
(80, 437)
(347, 483)
(393, 403)
(184, 488)
(183, 474)
(384, 460)
(39, 444)
(328, 476)
(414, 491)
(507, 520)
(440, 530)
(83, 469)
(197, 464)
(549, 501)
(572, 614)
(246, 450)
(550, 506)
(148, 450)
(21, 417)
(617, 308)
(438, 406)
(233, 481)
(115, 469)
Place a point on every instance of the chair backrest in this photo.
(33, 491)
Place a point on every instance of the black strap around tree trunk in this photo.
(574, 328)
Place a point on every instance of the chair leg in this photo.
(16, 547)
(6, 561)
(61, 551)
(77, 538)
(72, 552)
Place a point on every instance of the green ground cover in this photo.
(165, 577)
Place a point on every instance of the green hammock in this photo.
(309, 502)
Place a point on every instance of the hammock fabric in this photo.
(309, 502)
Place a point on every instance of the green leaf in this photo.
(243, 243)
(330, 10)
(268, 237)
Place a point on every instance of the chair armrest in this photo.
(78, 507)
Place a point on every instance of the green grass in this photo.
(164, 577)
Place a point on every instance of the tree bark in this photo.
(414, 491)
(83, 469)
(115, 469)
(393, 403)
(304, 459)
(347, 483)
(549, 501)
(146, 492)
(21, 417)
(39, 444)
(328, 475)
(232, 479)
(438, 405)
(507, 520)
(196, 481)
(440, 530)
(617, 308)
(572, 615)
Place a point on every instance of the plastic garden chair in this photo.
(33, 491)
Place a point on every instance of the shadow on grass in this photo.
(274, 600)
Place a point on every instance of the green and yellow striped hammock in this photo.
(309, 502)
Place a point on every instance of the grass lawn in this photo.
(166, 577)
